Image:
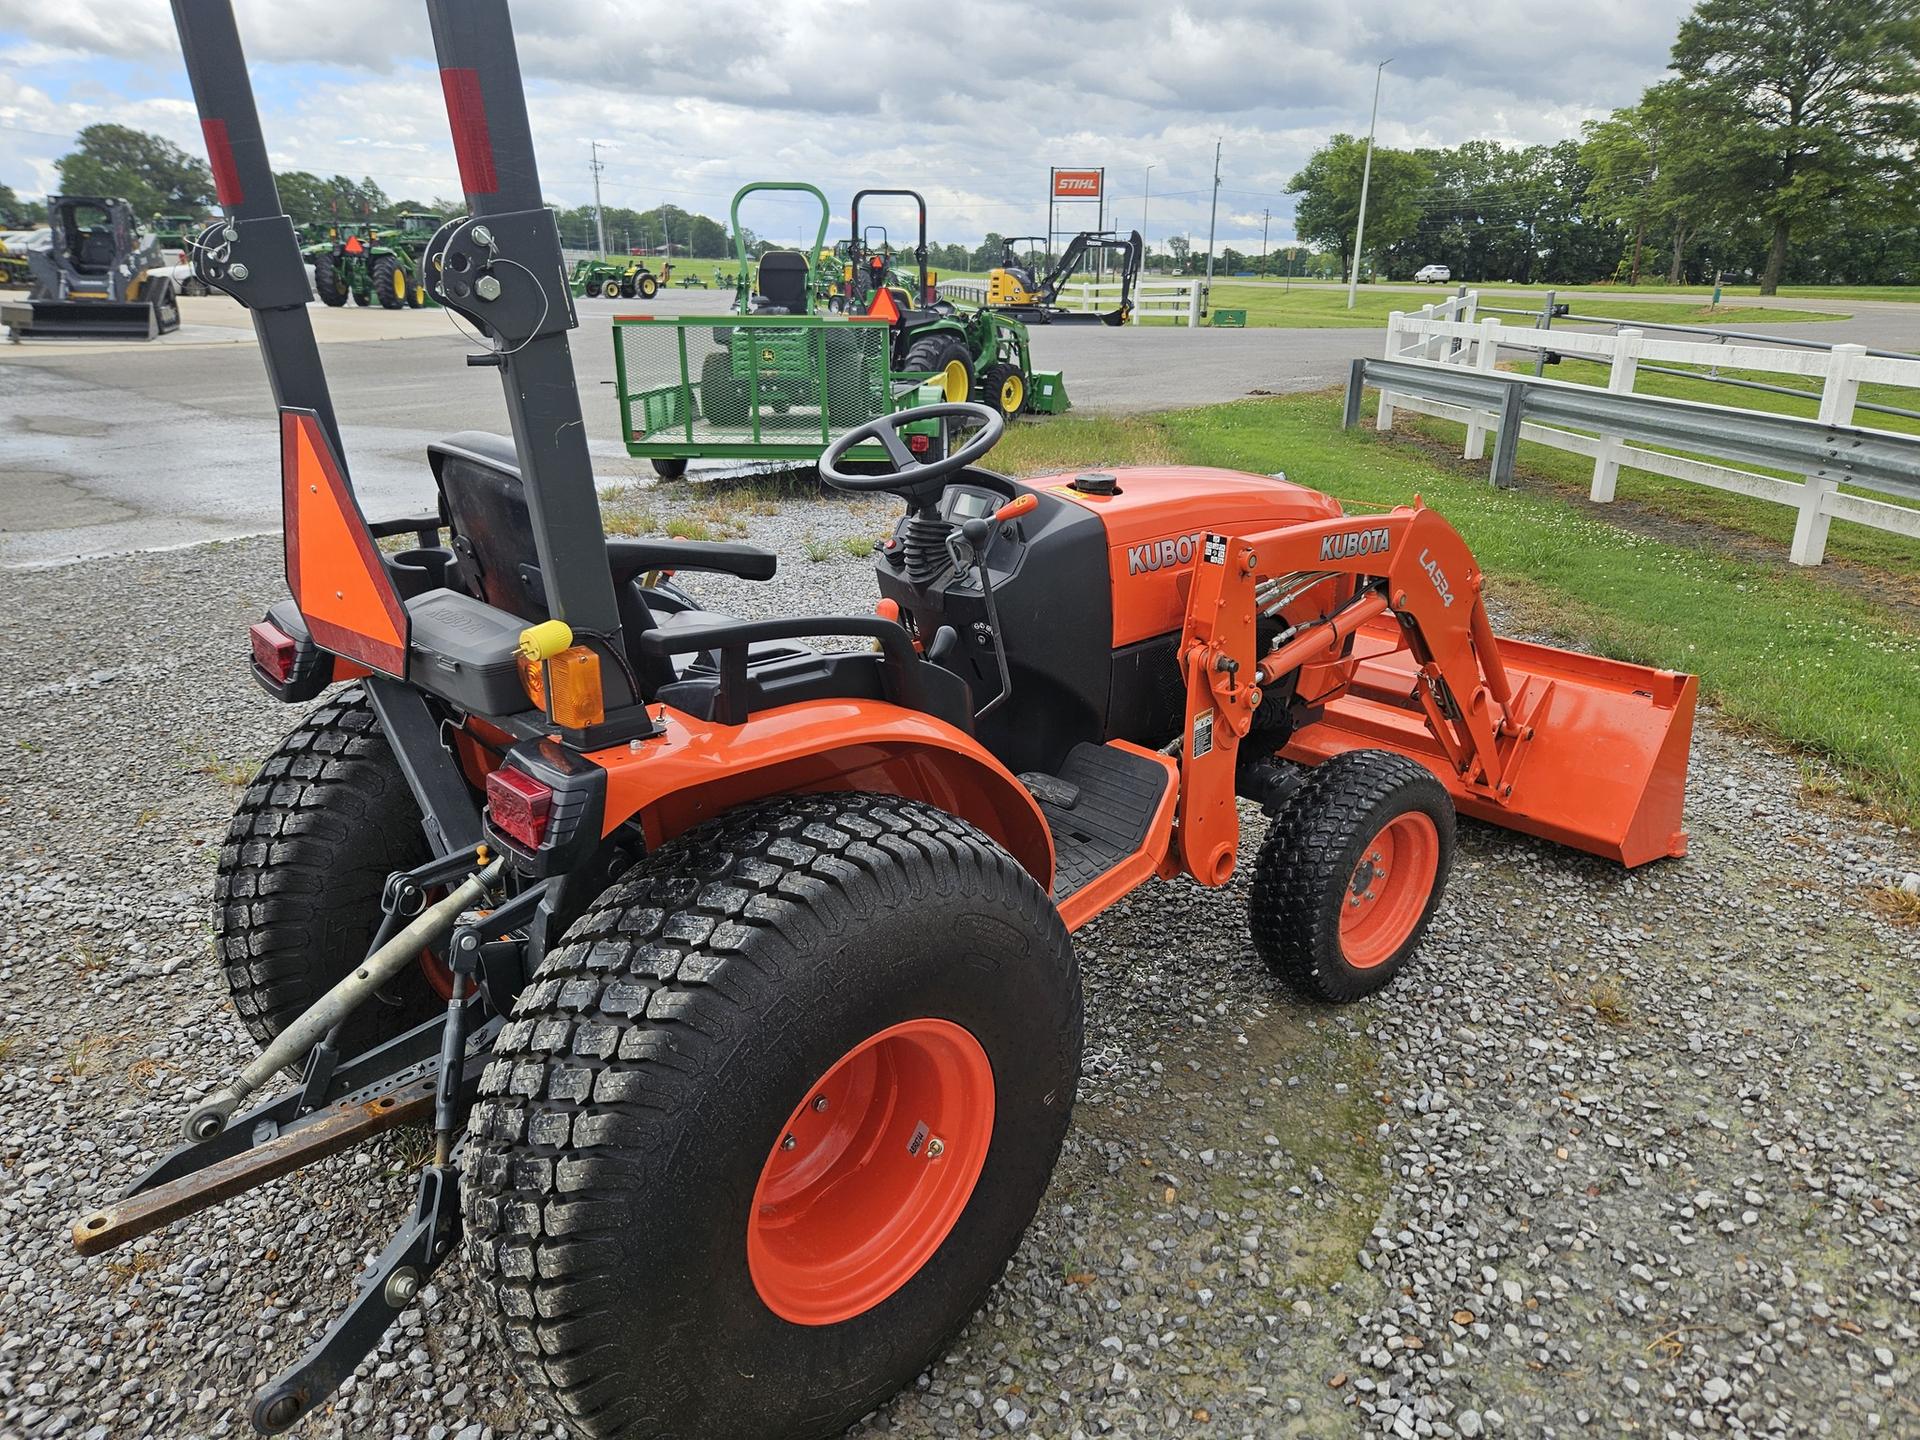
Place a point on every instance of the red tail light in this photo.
(919, 444)
(273, 650)
(518, 806)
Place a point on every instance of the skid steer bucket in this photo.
(1604, 771)
(90, 320)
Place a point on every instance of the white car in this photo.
(1434, 274)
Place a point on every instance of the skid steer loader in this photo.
(98, 276)
(735, 975)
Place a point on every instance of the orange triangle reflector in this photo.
(333, 569)
(883, 306)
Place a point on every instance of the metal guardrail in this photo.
(1843, 454)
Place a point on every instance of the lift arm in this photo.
(1406, 659)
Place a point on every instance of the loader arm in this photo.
(1407, 660)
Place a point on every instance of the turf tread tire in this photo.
(1300, 876)
(297, 894)
(326, 282)
(616, 1064)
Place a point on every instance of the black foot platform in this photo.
(1099, 808)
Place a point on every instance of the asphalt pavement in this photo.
(114, 447)
(108, 448)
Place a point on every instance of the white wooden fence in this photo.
(1175, 300)
(1449, 334)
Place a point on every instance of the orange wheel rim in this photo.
(871, 1172)
(1387, 893)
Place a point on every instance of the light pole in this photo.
(599, 219)
(1214, 213)
(1143, 205)
(1264, 215)
(1366, 176)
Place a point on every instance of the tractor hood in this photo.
(1157, 517)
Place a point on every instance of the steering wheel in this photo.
(910, 476)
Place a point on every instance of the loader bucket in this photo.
(1605, 771)
(1047, 393)
(93, 320)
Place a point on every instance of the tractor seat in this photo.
(782, 282)
(484, 504)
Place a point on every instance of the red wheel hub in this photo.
(871, 1172)
(1387, 893)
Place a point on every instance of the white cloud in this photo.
(692, 100)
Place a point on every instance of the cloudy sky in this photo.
(691, 99)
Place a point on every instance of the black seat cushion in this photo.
(783, 281)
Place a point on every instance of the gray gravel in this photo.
(1628, 1152)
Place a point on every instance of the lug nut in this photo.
(820, 1105)
(788, 1143)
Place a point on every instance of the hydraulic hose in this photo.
(210, 1117)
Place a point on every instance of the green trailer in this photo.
(773, 381)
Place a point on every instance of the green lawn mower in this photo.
(982, 355)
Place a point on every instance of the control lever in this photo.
(967, 547)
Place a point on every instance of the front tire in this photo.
(1004, 388)
(1350, 874)
(609, 289)
(776, 1024)
(297, 894)
(670, 469)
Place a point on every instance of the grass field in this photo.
(1324, 307)
(1799, 658)
(1317, 307)
(1897, 293)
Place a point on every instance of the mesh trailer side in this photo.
(774, 386)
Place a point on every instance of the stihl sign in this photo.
(1076, 184)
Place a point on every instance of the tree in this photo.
(1813, 103)
(1329, 191)
(18, 214)
(151, 173)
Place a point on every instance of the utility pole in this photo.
(1214, 213)
(599, 220)
(1366, 176)
(1264, 215)
(1143, 205)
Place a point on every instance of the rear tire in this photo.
(646, 287)
(1350, 874)
(936, 354)
(626, 1173)
(327, 283)
(390, 283)
(297, 894)
(723, 395)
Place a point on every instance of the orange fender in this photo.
(699, 769)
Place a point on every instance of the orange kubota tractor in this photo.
(736, 975)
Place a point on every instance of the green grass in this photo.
(1907, 293)
(1784, 652)
(1570, 475)
(1322, 307)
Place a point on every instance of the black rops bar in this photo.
(502, 269)
(254, 254)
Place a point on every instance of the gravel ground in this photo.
(1628, 1152)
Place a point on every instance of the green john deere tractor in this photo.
(616, 278)
(373, 264)
(980, 354)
